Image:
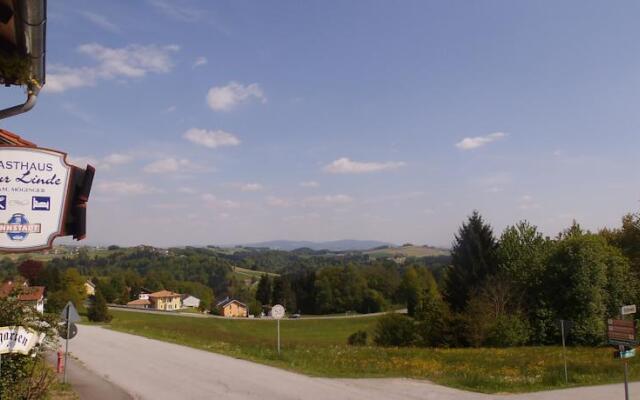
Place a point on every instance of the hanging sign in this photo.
(18, 339)
(34, 184)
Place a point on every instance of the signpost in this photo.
(277, 312)
(622, 333)
(564, 329)
(69, 315)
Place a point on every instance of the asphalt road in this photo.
(151, 369)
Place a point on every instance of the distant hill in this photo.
(336, 245)
(408, 251)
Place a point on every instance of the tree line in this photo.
(513, 289)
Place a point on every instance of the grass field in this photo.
(318, 348)
(407, 251)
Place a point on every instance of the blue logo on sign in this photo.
(17, 228)
(3, 202)
(40, 203)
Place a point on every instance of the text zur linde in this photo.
(32, 173)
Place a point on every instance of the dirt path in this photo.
(151, 369)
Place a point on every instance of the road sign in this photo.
(626, 310)
(70, 313)
(18, 339)
(625, 353)
(621, 332)
(62, 330)
(277, 311)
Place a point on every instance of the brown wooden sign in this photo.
(620, 331)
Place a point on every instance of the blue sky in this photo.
(231, 122)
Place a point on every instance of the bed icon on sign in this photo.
(40, 203)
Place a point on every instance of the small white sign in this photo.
(34, 184)
(277, 311)
(17, 339)
(626, 310)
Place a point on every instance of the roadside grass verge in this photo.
(318, 348)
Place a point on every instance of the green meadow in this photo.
(318, 348)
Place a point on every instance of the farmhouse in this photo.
(232, 308)
(165, 300)
(144, 294)
(189, 301)
(140, 303)
(29, 295)
(90, 288)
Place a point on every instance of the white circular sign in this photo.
(277, 311)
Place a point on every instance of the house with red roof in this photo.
(30, 295)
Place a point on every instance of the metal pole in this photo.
(278, 337)
(564, 353)
(626, 384)
(66, 348)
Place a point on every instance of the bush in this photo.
(98, 311)
(395, 330)
(27, 377)
(507, 331)
(358, 338)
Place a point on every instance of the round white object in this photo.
(277, 311)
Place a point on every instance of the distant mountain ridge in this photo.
(334, 245)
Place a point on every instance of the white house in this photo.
(144, 294)
(190, 301)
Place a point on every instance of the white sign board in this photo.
(33, 189)
(626, 310)
(277, 311)
(17, 339)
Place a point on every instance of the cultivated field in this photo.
(318, 348)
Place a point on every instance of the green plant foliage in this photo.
(26, 376)
(395, 330)
(14, 69)
(98, 311)
(358, 338)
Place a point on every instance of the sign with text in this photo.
(18, 339)
(34, 184)
(621, 332)
(626, 310)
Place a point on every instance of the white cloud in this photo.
(225, 98)
(211, 139)
(101, 21)
(105, 163)
(309, 184)
(200, 61)
(118, 159)
(335, 199)
(186, 190)
(167, 165)
(61, 78)
(177, 10)
(125, 188)
(214, 202)
(173, 165)
(133, 61)
(470, 143)
(171, 109)
(527, 203)
(274, 201)
(346, 166)
(249, 187)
